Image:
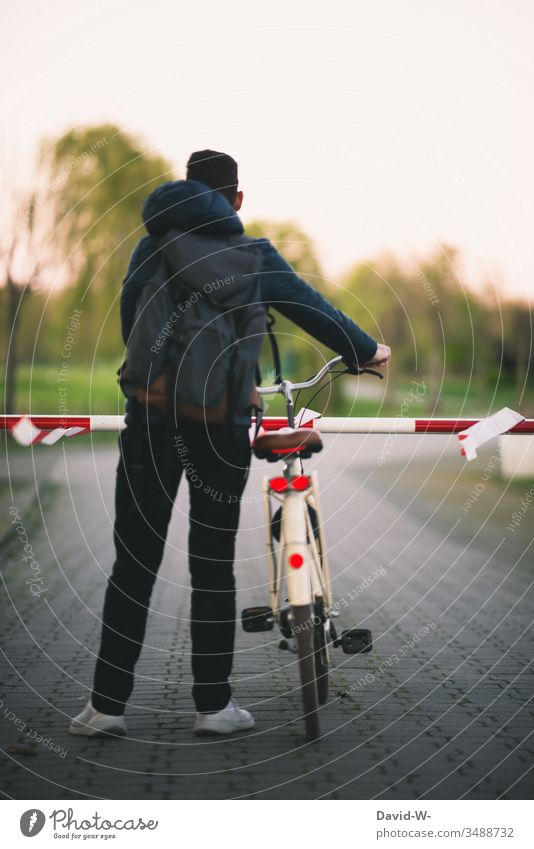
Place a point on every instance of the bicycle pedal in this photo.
(288, 645)
(355, 641)
(255, 619)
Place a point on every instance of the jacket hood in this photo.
(188, 205)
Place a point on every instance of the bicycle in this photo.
(300, 588)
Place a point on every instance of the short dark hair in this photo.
(214, 169)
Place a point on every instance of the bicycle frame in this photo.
(298, 538)
(301, 561)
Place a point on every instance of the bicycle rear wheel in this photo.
(320, 651)
(304, 631)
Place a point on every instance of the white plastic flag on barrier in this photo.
(484, 430)
(26, 433)
(304, 416)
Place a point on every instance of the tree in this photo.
(294, 245)
(25, 255)
(297, 248)
(100, 176)
(517, 348)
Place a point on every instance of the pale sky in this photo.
(373, 125)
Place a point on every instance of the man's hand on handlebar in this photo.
(382, 356)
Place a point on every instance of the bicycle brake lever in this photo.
(372, 371)
(356, 371)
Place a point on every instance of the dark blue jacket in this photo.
(193, 207)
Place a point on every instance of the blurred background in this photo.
(384, 147)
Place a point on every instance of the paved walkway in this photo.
(443, 708)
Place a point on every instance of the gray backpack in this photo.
(198, 328)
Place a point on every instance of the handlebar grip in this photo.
(353, 369)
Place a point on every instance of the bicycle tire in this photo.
(319, 635)
(304, 635)
(321, 662)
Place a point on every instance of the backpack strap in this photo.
(277, 363)
(258, 410)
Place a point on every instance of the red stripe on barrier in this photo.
(288, 450)
(273, 423)
(47, 422)
(51, 422)
(268, 423)
(443, 425)
(457, 425)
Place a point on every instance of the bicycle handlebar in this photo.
(307, 384)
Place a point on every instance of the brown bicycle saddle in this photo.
(303, 441)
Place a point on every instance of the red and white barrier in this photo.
(30, 430)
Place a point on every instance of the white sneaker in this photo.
(91, 723)
(226, 721)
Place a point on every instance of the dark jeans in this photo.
(152, 461)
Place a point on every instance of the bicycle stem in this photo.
(285, 388)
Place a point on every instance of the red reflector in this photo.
(296, 561)
(279, 484)
(288, 450)
(301, 482)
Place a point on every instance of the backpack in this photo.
(198, 328)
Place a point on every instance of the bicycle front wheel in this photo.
(303, 629)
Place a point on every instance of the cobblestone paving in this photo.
(445, 714)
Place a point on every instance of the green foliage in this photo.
(45, 389)
(95, 390)
(300, 354)
(99, 177)
(439, 328)
(294, 245)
